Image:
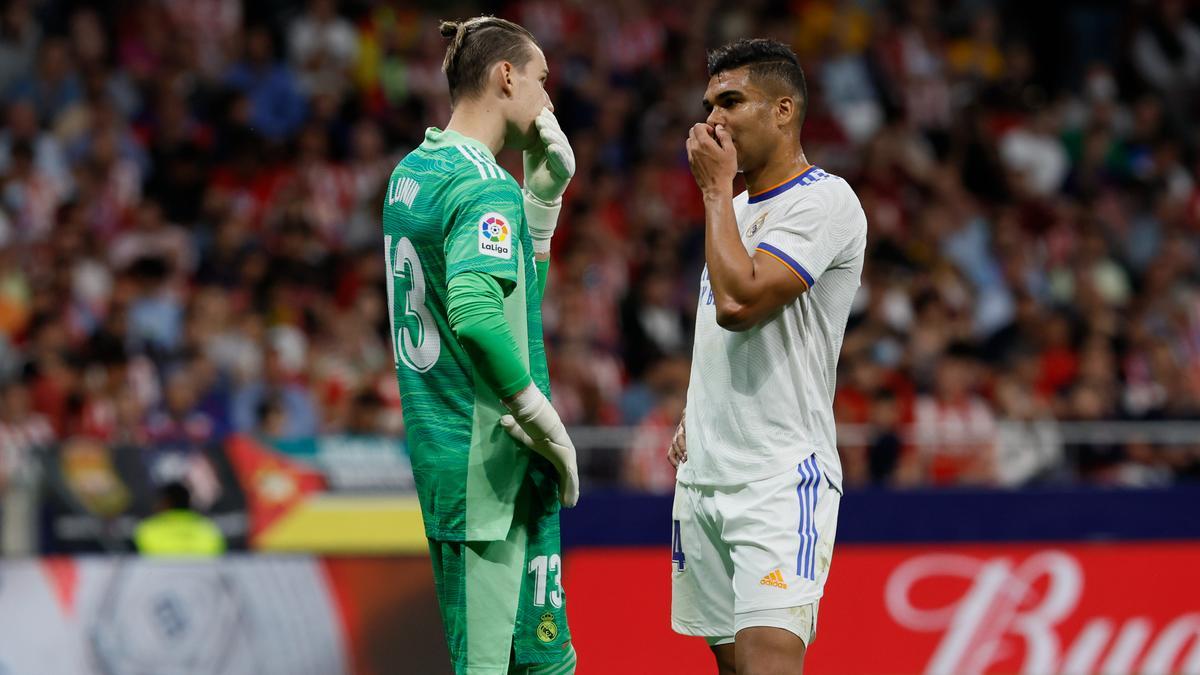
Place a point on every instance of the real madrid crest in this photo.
(757, 224)
(547, 630)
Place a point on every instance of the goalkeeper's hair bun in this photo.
(456, 32)
(476, 44)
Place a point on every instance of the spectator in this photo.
(1166, 52)
(211, 26)
(179, 195)
(48, 159)
(1034, 155)
(20, 35)
(955, 429)
(652, 326)
(31, 197)
(276, 107)
(366, 415)
(54, 85)
(180, 423)
(24, 433)
(644, 467)
(887, 447)
(151, 237)
(279, 405)
(176, 530)
(1028, 446)
(323, 48)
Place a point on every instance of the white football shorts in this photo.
(741, 555)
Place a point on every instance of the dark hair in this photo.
(767, 59)
(476, 44)
(175, 495)
(22, 149)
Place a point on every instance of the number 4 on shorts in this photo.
(677, 547)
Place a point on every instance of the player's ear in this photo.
(505, 73)
(785, 111)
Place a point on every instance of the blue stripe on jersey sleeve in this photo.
(789, 261)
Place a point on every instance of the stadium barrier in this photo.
(1097, 432)
(331, 494)
(930, 608)
(940, 609)
(237, 615)
(1045, 580)
(354, 495)
(947, 581)
(955, 581)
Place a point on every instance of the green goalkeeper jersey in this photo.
(450, 208)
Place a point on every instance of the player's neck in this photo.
(477, 121)
(783, 164)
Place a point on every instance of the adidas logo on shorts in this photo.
(774, 579)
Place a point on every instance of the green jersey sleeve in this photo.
(476, 313)
(484, 230)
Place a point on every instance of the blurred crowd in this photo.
(190, 194)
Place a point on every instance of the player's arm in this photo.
(677, 453)
(549, 166)
(746, 289)
(475, 311)
(543, 272)
(480, 273)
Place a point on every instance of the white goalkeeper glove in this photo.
(549, 166)
(535, 424)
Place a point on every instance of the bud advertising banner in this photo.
(939, 609)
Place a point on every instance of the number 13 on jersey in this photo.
(415, 339)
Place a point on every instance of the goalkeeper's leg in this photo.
(502, 601)
(564, 667)
(541, 639)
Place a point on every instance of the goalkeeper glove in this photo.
(535, 424)
(549, 166)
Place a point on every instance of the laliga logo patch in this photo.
(495, 236)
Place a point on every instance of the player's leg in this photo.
(702, 599)
(479, 585)
(449, 579)
(493, 583)
(502, 601)
(541, 638)
(726, 656)
(774, 641)
(767, 650)
(564, 667)
(780, 532)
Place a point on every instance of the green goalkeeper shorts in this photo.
(502, 602)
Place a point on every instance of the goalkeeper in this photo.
(467, 250)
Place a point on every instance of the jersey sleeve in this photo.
(812, 236)
(483, 230)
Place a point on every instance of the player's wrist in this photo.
(542, 218)
(526, 402)
(717, 194)
(543, 201)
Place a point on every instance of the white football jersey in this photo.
(761, 400)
